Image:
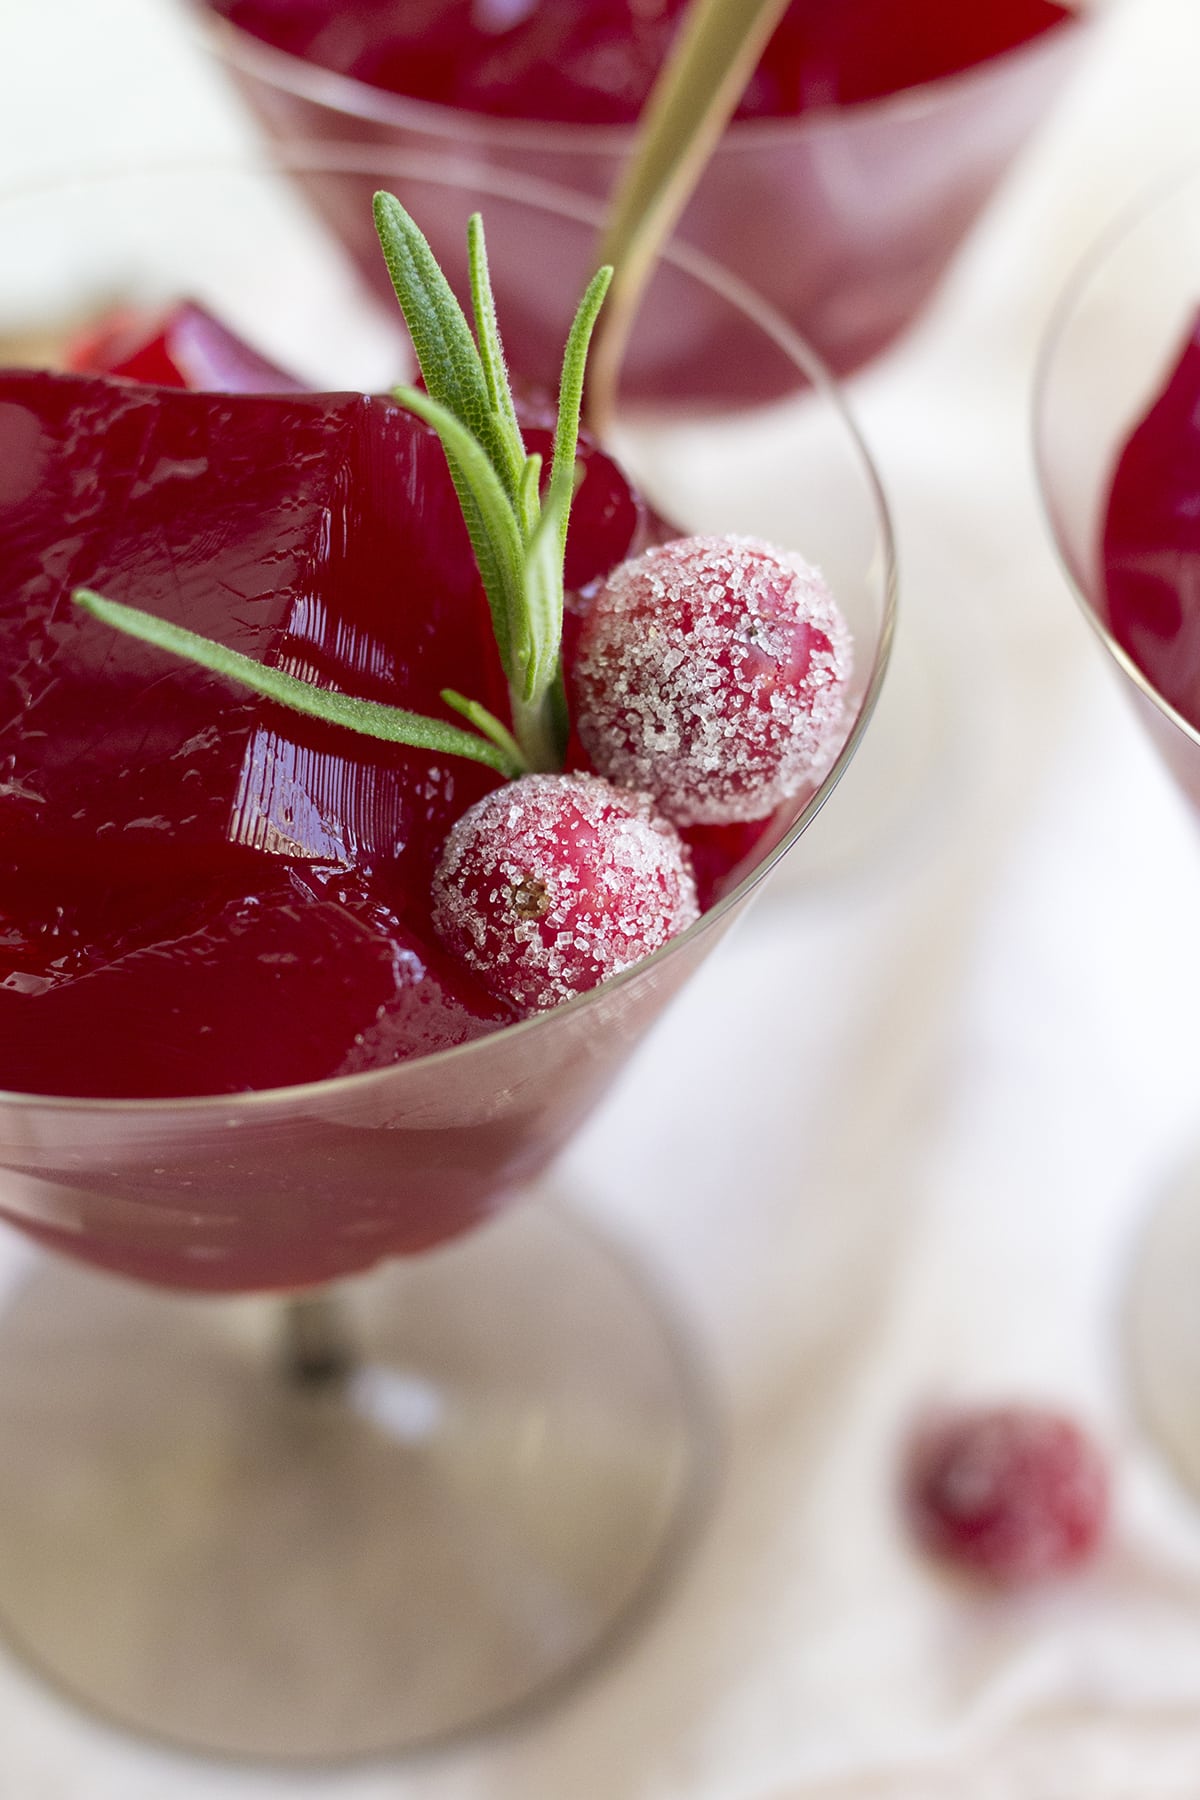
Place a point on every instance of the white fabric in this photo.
(901, 1130)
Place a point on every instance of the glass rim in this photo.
(1090, 267)
(360, 100)
(351, 159)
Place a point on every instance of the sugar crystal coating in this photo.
(552, 883)
(712, 673)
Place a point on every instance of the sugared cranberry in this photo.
(552, 883)
(1010, 1493)
(711, 672)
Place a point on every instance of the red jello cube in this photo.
(320, 534)
(259, 990)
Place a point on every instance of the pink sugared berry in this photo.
(554, 882)
(712, 672)
(1012, 1494)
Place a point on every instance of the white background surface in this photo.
(896, 1140)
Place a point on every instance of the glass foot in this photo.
(1163, 1327)
(291, 1544)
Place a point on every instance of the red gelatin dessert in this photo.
(279, 984)
(278, 525)
(216, 892)
(171, 845)
(1009, 1494)
(1151, 544)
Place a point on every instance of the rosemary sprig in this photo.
(469, 404)
(519, 538)
(368, 717)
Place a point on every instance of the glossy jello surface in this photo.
(594, 63)
(201, 892)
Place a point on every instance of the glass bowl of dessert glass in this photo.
(867, 144)
(278, 1486)
(1117, 429)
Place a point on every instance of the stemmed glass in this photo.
(251, 1505)
(1115, 340)
(843, 217)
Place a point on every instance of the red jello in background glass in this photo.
(452, 1489)
(1118, 445)
(871, 137)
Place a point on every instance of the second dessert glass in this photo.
(843, 217)
(1118, 334)
(351, 1520)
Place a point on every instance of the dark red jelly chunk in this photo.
(1152, 538)
(255, 990)
(320, 534)
(594, 63)
(184, 346)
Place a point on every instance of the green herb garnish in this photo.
(518, 534)
(368, 717)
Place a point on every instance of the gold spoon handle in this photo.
(712, 58)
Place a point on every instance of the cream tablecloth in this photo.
(899, 1134)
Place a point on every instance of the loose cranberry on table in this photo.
(1009, 1494)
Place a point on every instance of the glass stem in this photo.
(318, 1345)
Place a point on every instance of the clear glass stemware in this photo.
(383, 1510)
(843, 217)
(1116, 337)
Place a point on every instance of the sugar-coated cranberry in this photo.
(552, 883)
(712, 673)
(1012, 1494)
